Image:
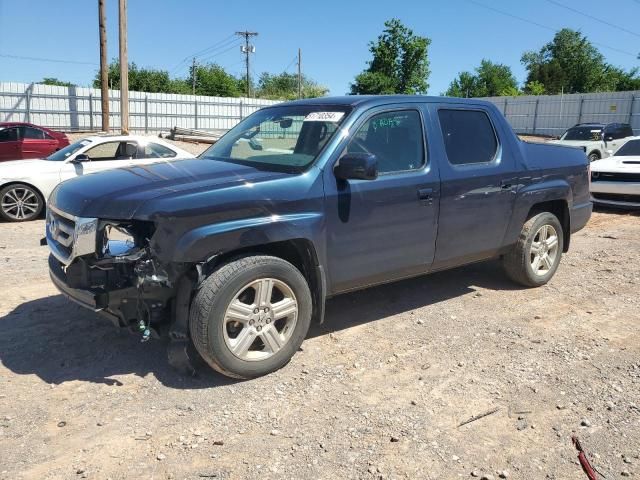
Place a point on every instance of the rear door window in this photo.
(155, 150)
(30, 133)
(469, 137)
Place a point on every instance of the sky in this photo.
(332, 34)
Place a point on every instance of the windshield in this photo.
(629, 149)
(585, 133)
(286, 138)
(66, 152)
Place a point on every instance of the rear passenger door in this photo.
(478, 184)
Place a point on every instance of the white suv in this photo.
(599, 140)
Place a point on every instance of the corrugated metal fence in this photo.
(79, 108)
(553, 114)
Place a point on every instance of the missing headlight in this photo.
(120, 239)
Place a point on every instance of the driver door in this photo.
(383, 229)
(105, 156)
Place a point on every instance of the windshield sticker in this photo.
(324, 117)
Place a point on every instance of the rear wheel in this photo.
(593, 156)
(534, 259)
(20, 203)
(250, 316)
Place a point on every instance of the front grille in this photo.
(614, 177)
(617, 197)
(60, 230)
(68, 236)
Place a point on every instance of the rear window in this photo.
(629, 149)
(583, 133)
(468, 136)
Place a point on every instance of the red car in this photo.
(23, 140)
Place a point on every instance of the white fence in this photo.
(553, 114)
(79, 108)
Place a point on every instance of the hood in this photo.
(120, 193)
(22, 169)
(574, 143)
(617, 164)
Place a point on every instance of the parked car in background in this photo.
(238, 250)
(599, 140)
(615, 181)
(19, 141)
(25, 185)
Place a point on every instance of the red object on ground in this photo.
(19, 141)
(584, 461)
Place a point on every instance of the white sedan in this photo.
(615, 181)
(25, 185)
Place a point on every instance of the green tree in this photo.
(140, 79)
(534, 88)
(400, 63)
(489, 80)
(213, 80)
(56, 82)
(569, 64)
(285, 87)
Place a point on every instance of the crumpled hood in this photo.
(630, 164)
(120, 193)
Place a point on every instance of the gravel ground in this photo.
(378, 391)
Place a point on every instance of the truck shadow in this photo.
(59, 342)
(365, 306)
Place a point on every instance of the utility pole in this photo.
(299, 73)
(104, 69)
(193, 76)
(124, 69)
(247, 49)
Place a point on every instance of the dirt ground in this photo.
(378, 391)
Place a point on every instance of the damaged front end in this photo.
(110, 267)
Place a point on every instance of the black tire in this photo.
(517, 263)
(593, 156)
(34, 203)
(206, 318)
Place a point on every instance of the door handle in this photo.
(425, 194)
(506, 184)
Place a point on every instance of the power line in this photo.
(40, 59)
(546, 27)
(217, 54)
(604, 22)
(210, 49)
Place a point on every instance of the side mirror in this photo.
(82, 157)
(357, 166)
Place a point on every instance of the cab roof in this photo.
(373, 100)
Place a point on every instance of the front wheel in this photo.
(20, 203)
(250, 316)
(534, 259)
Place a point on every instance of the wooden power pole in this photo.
(124, 69)
(104, 69)
(247, 49)
(193, 76)
(299, 73)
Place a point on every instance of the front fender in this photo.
(207, 241)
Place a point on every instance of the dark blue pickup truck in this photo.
(235, 252)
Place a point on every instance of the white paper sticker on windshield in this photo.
(324, 117)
